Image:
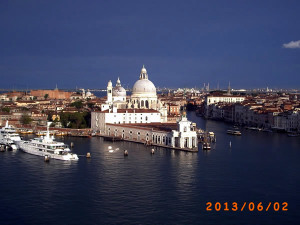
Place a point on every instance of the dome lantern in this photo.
(143, 75)
(118, 84)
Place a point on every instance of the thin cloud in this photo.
(292, 44)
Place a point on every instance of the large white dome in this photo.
(143, 87)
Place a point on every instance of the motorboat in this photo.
(234, 132)
(206, 146)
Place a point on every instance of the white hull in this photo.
(9, 137)
(26, 147)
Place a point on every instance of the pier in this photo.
(113, 138)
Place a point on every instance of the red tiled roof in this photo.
(149, 126)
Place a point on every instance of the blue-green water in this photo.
(169, 187)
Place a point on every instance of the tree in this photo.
(5, 109)
(25, 119)
(77, 104)
(49, 117)
(46, 96)
(75, 120)
(91, 105)
(64, 119)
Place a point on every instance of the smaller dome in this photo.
(88, 93)
(118, 91)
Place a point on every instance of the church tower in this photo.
(229, 89)
(109, 92)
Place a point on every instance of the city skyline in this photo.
(252, 44)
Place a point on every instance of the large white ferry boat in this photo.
(47, 147)
(9, 137)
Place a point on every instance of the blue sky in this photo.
(182, 43)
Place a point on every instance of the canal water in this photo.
(169, 187)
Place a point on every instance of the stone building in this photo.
(180, 135)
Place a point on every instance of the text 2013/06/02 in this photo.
(249, 206)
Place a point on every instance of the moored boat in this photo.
(234, 132)
(9, 137)
(61, 133)
(46, 146)
(206, 146)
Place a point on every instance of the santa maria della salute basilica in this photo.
(141, 117)
(143, 96)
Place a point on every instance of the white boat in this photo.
(9, 137)
(47, 147)
(234, 132)
(293, 134)
(206, 146)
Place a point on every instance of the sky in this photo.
(84, 44)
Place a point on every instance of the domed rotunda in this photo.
(143, 93)
(118, 92)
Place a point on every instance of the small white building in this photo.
(213, 99)
(185, 136)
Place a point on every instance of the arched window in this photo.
(142, 103)
(147, 104)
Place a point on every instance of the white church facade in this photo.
(142, 110)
